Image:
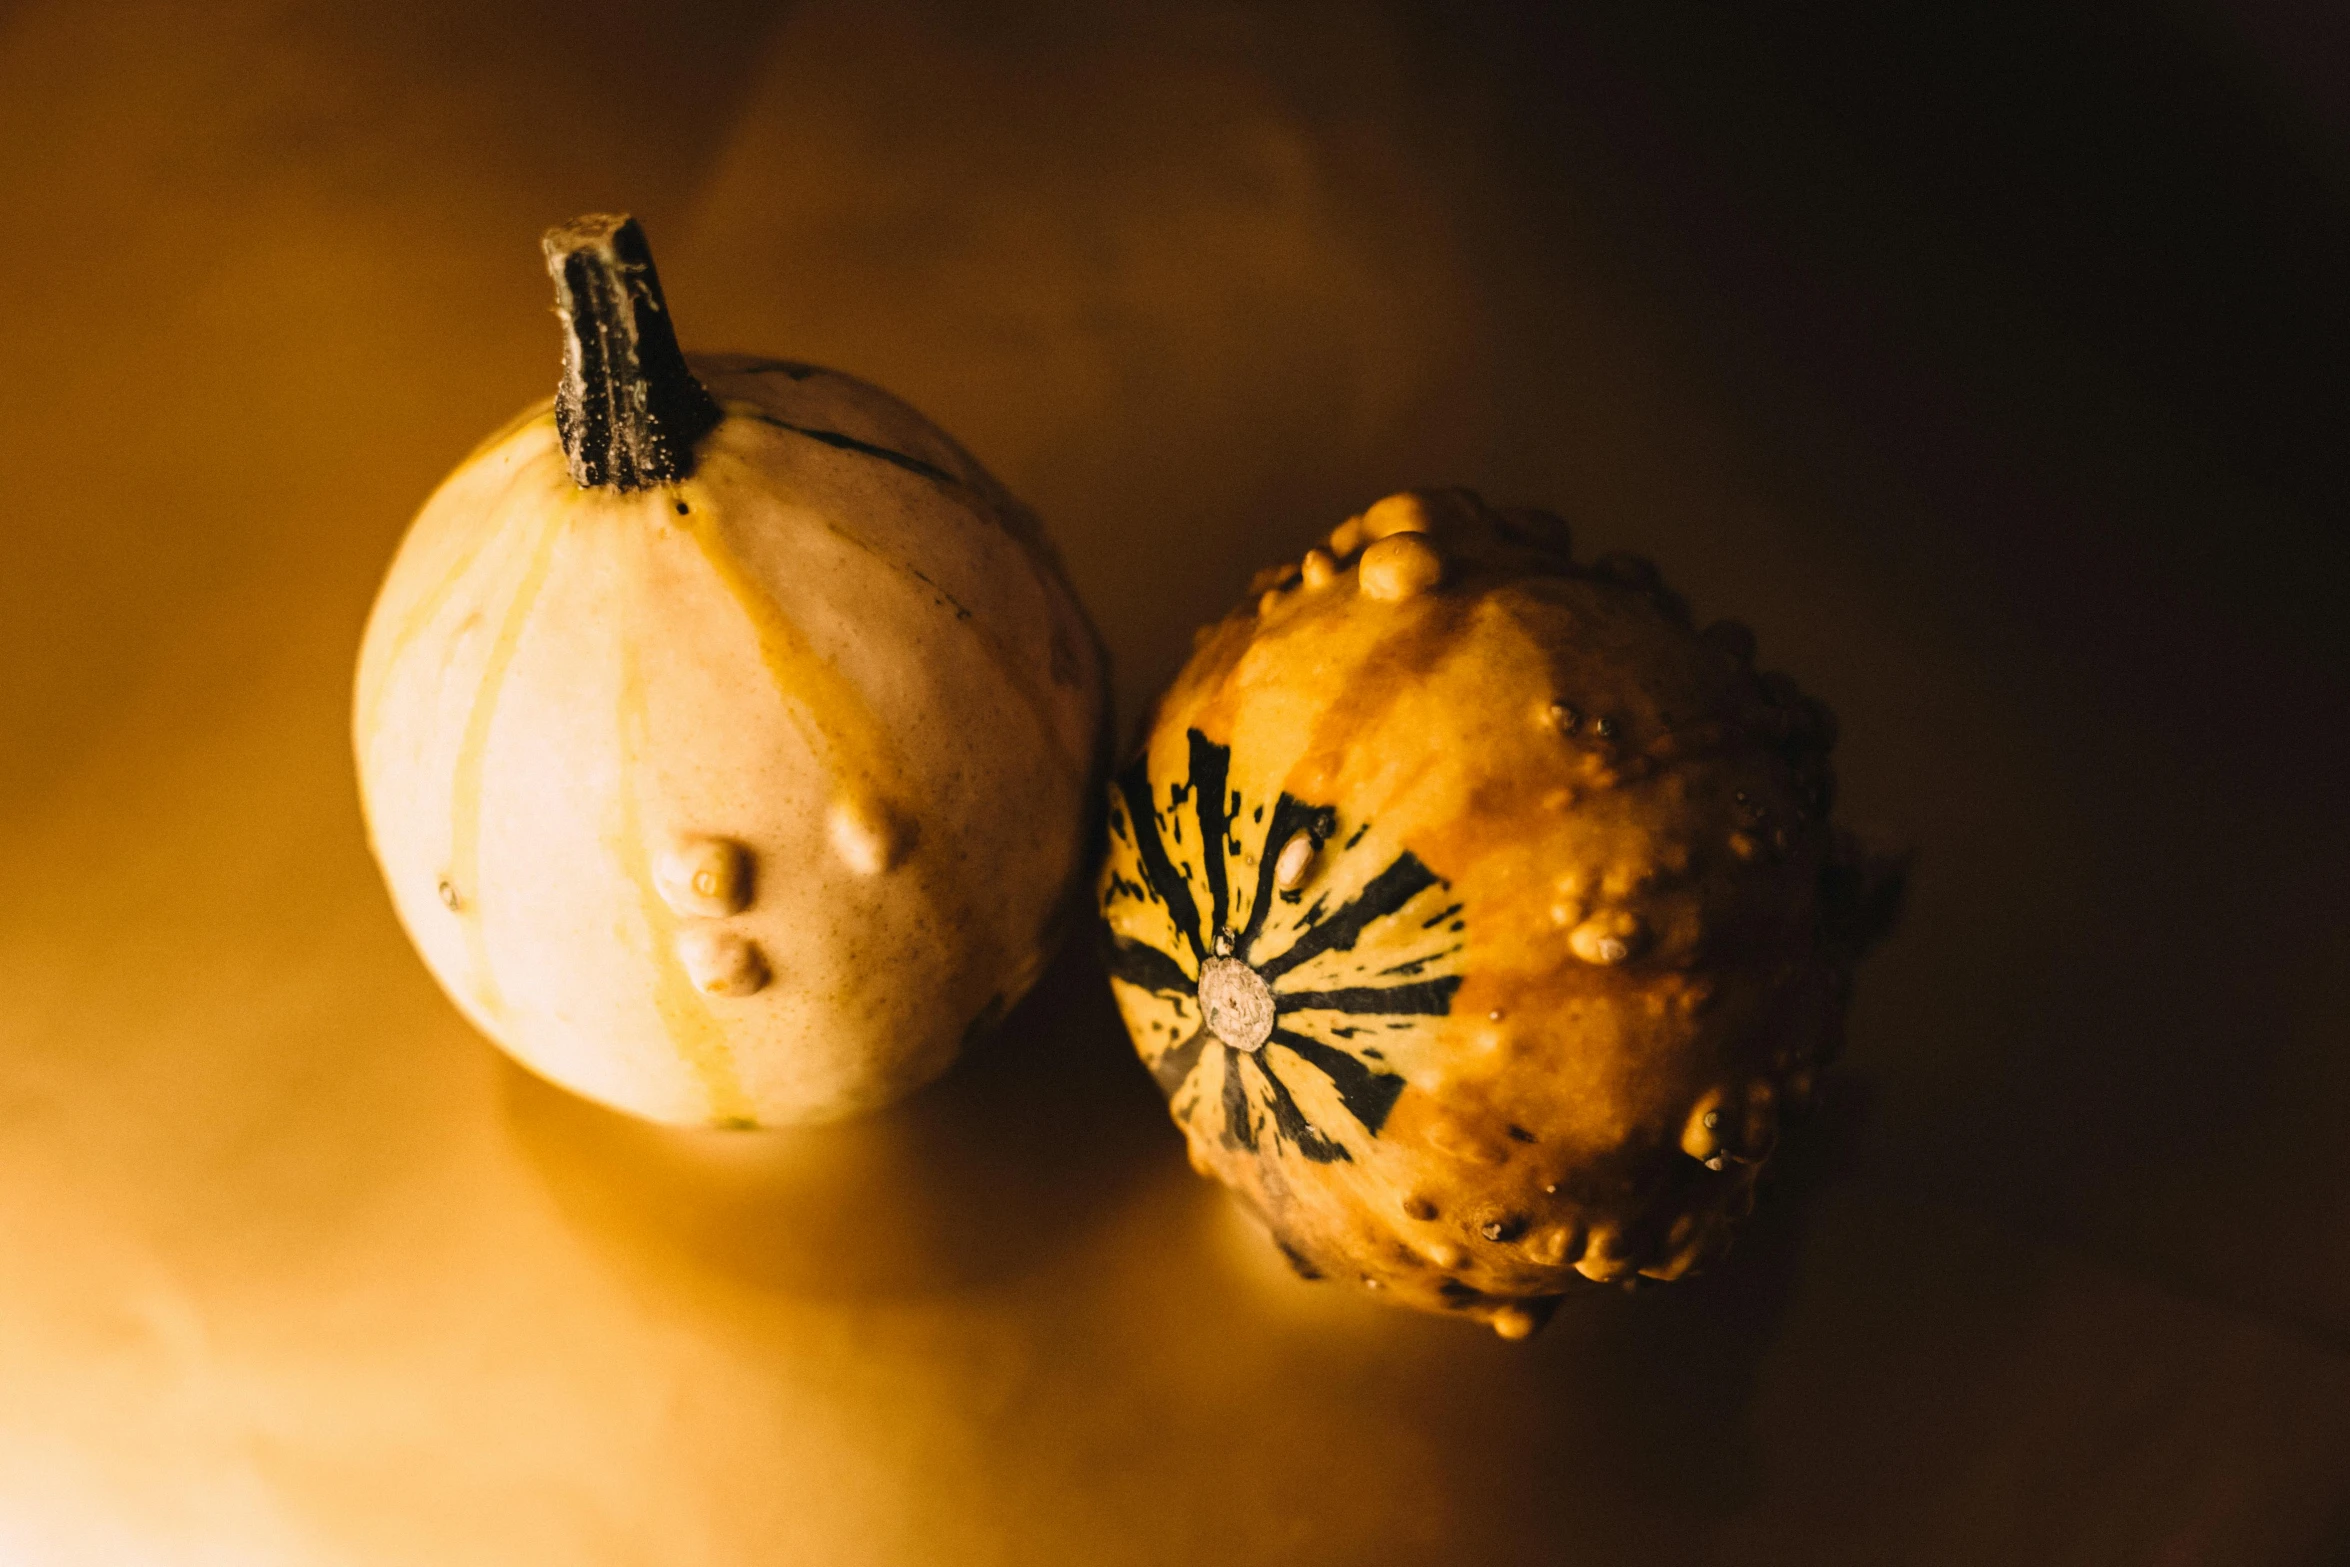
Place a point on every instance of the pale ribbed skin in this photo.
(837, 645)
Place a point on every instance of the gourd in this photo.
(727, 736)
(1479, 917)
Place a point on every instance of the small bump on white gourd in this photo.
(865, 841)
(708, 878)
(719, 962)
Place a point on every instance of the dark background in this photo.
(1990, 361)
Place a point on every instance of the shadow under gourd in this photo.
(988, 1173)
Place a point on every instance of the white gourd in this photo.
(726, 734)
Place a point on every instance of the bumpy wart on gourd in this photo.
(1477, 915)
(684, 859)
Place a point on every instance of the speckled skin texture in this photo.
(1567, 931)
(744, 799)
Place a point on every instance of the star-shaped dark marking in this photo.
(1235, 970)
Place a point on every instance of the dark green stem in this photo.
(628, 408)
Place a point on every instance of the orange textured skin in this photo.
(1567, 930)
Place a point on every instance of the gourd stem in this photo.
(628, 409)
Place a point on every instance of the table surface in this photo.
(299, 1270)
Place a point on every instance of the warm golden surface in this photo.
(298, 1271)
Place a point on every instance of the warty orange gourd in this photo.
(1478, 916)
(727, 736)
